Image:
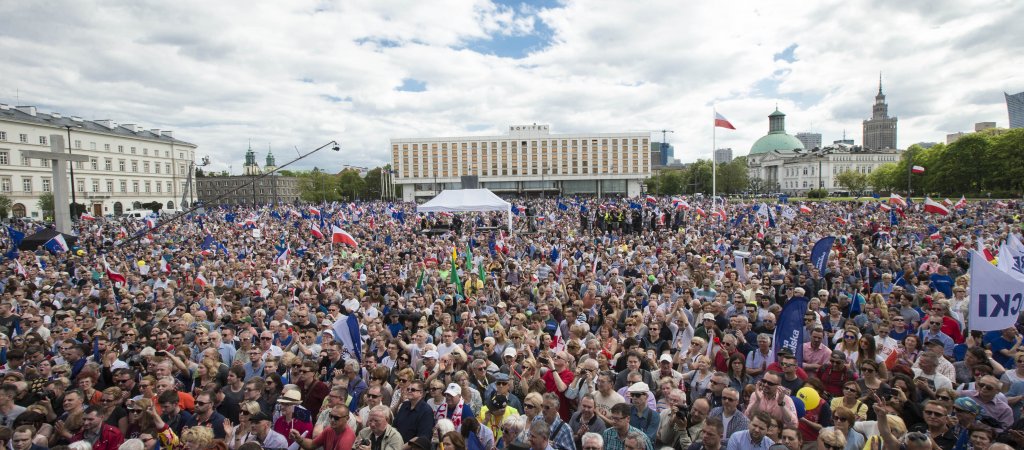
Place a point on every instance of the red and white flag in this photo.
(722, 122)
(700, 212)
(947, 202)
(962, 203)
(651, 199)
(115, 277)
(201, 281)
(20, 269)
(339, 236)
(165, 266)
(721, 213)
(557, 343)
(935, 236)
(1002, 204)
(931, 206)
(88, 217)
(316, 232)
(804, 209)
(314, 211)
(896, 199)
(917, 169)
(885, 207)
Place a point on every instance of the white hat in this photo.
(431, 354)
(509, 351)
(665, 357)
(639, 388)
(707, 316)
(453, 389)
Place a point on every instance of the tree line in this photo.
(731, 178)
(976, 165)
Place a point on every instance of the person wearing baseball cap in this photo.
(337, 436)
(454, 408)
(264, 431)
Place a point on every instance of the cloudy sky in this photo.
(296, 74)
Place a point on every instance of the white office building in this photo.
(128, 166)
(528, 161)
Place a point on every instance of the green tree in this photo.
(372, 183)
(45, 204)
(5, 206)
(350, 184)
(883, 179)
(733, 176)
(853, 181)
(317, 186)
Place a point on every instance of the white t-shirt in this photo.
(937, 381)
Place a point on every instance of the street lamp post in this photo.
(74, 201)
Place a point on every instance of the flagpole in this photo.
(714, 185)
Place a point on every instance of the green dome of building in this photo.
(776, 139)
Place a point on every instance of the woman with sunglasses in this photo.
(851, 400)
(848, 344)
(833, 439)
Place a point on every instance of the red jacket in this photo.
(110, 438)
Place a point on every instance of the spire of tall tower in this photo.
(879, 83)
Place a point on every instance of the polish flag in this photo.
(805, 209)
(962, 203)
(651, 199)
(700, 212)
(339, 236)
(917, 169)
(201, 281)
(116, 278)
(935, 236)
(151, 222)
(721, 213)
(931, 206)
(316, 232)
(722, 122)
(1002, 204)
(85, 216)
(557, 342)
(165, 266)
(947, 202)
(20, 269)
(885, 207)
(314, 211)
(895, 199)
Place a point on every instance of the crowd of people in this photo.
(594, 324)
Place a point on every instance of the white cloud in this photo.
(298, 74)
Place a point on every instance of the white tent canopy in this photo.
(466, 200)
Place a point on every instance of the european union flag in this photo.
(276, 215)
(207, 242)
(635, 205)
(16, 236)
(229, 217)
(563, 206)
(893, 220)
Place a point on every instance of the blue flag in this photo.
(789, 331)
(57, 244)
(16, 236)
(563, 206)
(229, 218)
(207, 242)
(276, 215)
(819, 254)
(555, 254)
(893, 220)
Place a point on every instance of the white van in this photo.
(137, 214)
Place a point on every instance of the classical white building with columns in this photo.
(128, 165)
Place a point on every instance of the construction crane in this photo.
(664, 146)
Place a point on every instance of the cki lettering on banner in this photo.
(996, 296)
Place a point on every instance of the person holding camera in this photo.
(378, 434)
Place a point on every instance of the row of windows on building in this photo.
(108, 164)
(836, 169)
(420, 165)
(808, 184)
(43, 140)
(46, 185)
(420, 160)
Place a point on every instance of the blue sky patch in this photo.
(786, 55)
(412, 85)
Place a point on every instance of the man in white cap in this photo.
(509, 365)
(640, 416)
(429, 366)
(454, 408)
(665, 369)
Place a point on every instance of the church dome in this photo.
(776, 139)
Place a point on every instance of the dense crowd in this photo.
(593, 324)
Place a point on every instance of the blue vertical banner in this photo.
(789, 331)
(819, 254)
